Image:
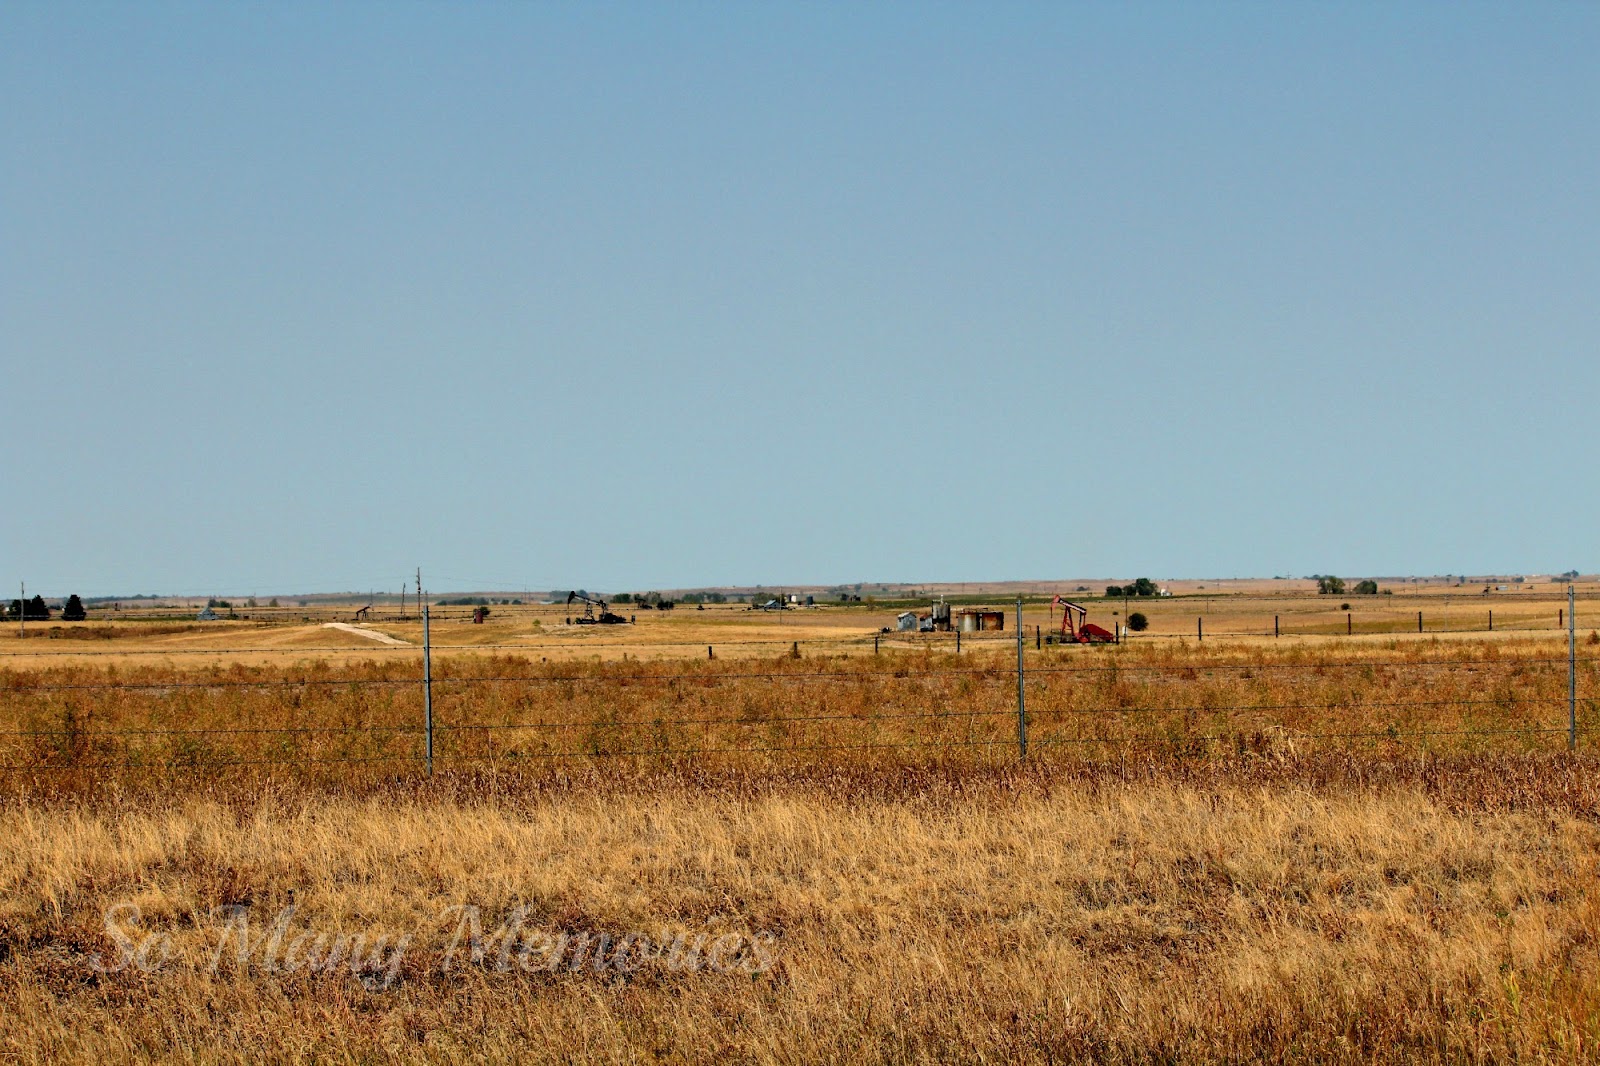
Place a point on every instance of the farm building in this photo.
(973, 620)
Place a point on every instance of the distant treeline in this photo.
(36, 610)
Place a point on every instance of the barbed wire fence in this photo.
(912, 698)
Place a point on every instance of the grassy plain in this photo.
(1315, 848)
(1329, 908)
(1232, 609)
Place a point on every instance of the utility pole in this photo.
(22, 609)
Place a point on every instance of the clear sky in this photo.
(300, 296)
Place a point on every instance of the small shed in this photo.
(906, 622)
(206, 615)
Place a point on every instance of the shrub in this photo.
(1138, 622)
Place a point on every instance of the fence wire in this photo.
(54, 720)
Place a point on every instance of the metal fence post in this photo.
(1572, 668)
(1022, 704)
(427, 689)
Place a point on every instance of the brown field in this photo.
(1322, 847)
(266, 636)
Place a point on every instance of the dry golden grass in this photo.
(1328, 909)
(1233, 851)
(1239, 610)
(82, 724)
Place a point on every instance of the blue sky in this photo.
(302, 296)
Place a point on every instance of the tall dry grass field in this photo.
(1216, 853)
(84, 724)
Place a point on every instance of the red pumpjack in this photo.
(1076, 629)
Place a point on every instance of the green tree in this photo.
(73, 611)
(1366, 588)
(1114, 592)
(1138, 622)
(1328, 585)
